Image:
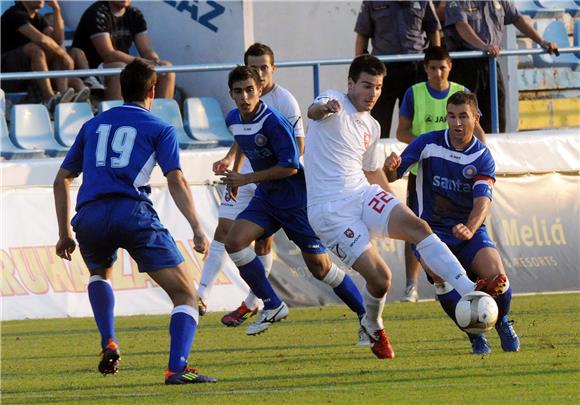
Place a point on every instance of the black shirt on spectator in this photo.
(99, 19)
(14, 18)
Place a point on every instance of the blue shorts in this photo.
(465, 251)
(104, 226)
(294, 222)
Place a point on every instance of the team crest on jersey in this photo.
(349, 233)
(469, 171)
(260, 139)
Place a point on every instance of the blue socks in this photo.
(182, 331)
(254, 275)
(448, 302)
(503, 303)
(103, 303)
(350, 295)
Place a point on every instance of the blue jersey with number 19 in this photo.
(448, 179)
(116, 152)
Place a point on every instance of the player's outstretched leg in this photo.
(345, 288)
(102, 301)
(252, 271)
(249, 306)
(448, 298)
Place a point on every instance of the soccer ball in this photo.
(476, 312)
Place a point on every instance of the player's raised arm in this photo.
(320, 110)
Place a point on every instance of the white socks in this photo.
(214, 264)
(374, 307)
(251, 300)
(442, 262)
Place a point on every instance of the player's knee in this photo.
(417, 230)
(221, 233)
(34, 52)
(234, 244)
(263, 247)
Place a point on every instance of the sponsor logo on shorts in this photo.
(349, 233)
(260, 140)
(227, 197)
(338, 251)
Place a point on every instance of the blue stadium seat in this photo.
(555, 31)
(108, 104)
(569, 6)
(30, 128)
(204, 120)
(68, 120)
(535, 9)
(577, 36)
(168, 110)
(10, 151)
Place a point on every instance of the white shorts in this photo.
(230, 209)
(347, 225)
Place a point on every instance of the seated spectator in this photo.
(29, 44)
(105, 33)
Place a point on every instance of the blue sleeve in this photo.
(281, 136)
(485, 178)
(73, 161)
(412, 154)
(167, 150)
(407, 110)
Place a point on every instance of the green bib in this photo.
(429, 113)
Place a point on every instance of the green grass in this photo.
(308, 358)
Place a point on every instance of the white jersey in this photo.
(338, 148)
(282, 100)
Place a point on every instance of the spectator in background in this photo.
(396, 27)
(29, 44)
(479, 25)
(105, 33)
(424, 109)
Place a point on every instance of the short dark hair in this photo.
(137, 79)
(463, 97)
(258, 49)
(241, 73)
(366, 64)
(436, 53)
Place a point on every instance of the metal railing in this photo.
(315, 64)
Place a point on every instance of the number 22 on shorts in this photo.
(379, 201)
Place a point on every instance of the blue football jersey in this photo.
(116, 152)
(448, 179)
(268, 141)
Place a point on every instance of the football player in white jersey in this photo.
(349, 201)
(261, 57)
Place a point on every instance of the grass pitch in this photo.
(308, 358)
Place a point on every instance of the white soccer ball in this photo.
(476, 312)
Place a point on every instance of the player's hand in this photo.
(64, 247)
(232, 192)
(201, 243)
(331, 107)
(233, 179)
(493, 50)
(462, 232)
(221, 165)
(550, 47)
(392, 162)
